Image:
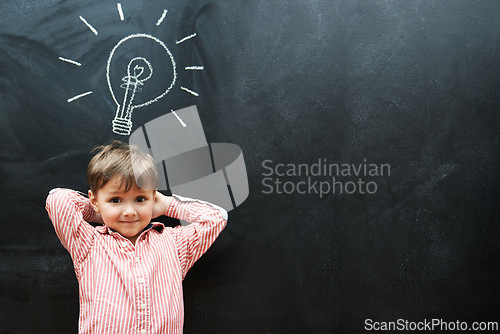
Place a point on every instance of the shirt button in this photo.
(143, 331)
(137, 260)
(141, 280)
(124, 244)
(143, 306)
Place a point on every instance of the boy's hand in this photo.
(97, 218)
(161, 204)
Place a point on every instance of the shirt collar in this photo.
(103, 229)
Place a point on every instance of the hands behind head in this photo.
(161, 204)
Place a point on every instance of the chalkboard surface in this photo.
(369, 129)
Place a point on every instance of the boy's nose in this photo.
(129, 210)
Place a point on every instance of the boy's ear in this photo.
(93, 201)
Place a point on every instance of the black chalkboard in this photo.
(348, 86)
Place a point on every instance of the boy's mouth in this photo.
(128, 221)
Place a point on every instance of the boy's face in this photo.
(126, 212)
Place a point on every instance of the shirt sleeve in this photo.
(69, 212)
(192, 241)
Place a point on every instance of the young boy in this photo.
(130, 270)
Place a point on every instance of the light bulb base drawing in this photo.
(122, 126)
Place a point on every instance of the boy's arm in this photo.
(69, 212)
(192, 241)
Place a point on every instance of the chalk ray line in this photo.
(70, 61)
(88, 25)
(178, 118)
(120, 11)
(185, 38)
(194, 68)
(190, 91)
(78, 96)
(160, 20)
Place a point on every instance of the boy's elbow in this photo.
(51, 199)
(56, 200)
(223, 213)
(222, 221)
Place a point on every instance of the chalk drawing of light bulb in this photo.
(135, 73)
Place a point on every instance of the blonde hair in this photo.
(133, 166)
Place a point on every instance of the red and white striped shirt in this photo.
(133, 289)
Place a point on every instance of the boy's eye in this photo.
(141, 199)
(115, 200)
